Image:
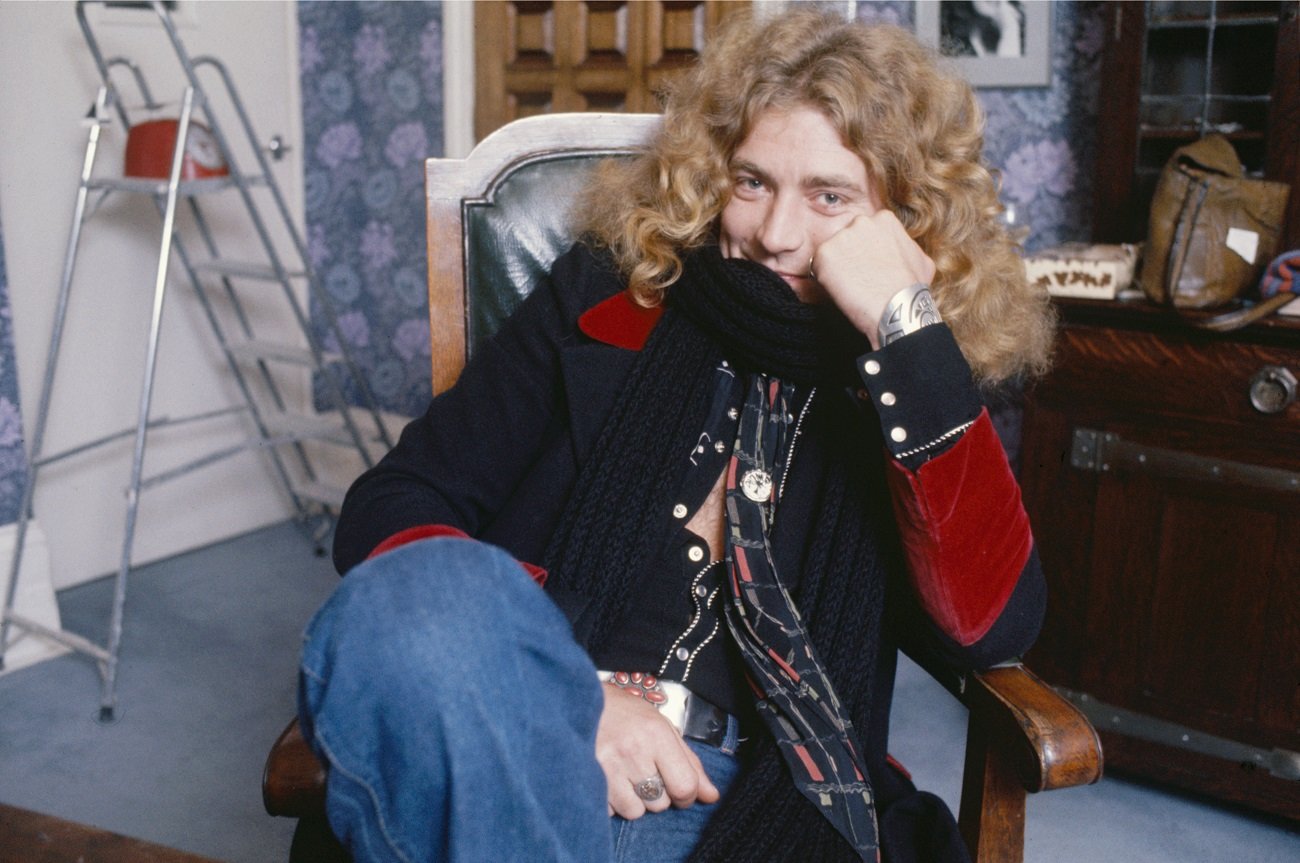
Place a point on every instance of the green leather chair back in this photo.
(500, 217)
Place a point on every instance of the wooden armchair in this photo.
(496, 221)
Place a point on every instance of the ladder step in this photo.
(319, 492)
(302, 427)
(260, 350)
(282, 428)
(245, 270)
(151, 425)
(158, 188)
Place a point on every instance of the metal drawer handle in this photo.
(1272, 389)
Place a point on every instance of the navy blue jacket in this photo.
(497, 454)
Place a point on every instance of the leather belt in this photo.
(704, 721)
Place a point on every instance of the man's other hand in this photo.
(633, 743)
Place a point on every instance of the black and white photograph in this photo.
(982, 28)
(993, 43)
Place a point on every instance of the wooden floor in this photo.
(30, 837)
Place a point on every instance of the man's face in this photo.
(795, 186)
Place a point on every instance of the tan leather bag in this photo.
(1212, 231)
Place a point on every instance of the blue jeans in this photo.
(458, 718)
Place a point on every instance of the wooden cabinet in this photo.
(1174, 70)
(1167, 506)
(1167, 511)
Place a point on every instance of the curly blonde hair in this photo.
(917, 128)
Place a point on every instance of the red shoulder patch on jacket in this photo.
(620, 321)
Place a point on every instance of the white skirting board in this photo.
(34, 599)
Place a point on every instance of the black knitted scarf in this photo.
(616, 521)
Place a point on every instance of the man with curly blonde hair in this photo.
(739, 439)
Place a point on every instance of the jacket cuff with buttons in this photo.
(921, 387)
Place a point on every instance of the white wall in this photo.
(457, 79)
(47, 81)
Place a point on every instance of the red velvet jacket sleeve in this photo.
(965, 533)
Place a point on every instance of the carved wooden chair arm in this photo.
(1047, 740)
(293, 781)
(1023, 737)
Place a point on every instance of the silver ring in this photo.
(650, 789)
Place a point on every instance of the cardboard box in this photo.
(1094, 272)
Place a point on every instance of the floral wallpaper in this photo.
(1044, 139)
(372, 112)
(13, 459)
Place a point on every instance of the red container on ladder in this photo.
(149, 148)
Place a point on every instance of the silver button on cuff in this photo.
(695, 553)
(887, 399)
(871, 367)
(898, 434)
(679, 511)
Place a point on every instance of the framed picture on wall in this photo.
(993, 43)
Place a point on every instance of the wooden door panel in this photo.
(534, 57)
(1117, 643)
(1279, 669)
(1206, 622)
(1173, 611)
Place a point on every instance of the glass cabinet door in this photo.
(1177, 70)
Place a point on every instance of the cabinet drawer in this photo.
(1179, 379)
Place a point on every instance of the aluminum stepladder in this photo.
(279, 432)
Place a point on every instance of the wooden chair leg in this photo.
(992, 811)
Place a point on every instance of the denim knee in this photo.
(448, 603)
(441, 666)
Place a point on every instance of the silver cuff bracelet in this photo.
(908, 311)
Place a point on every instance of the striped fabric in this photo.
(795, 697)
